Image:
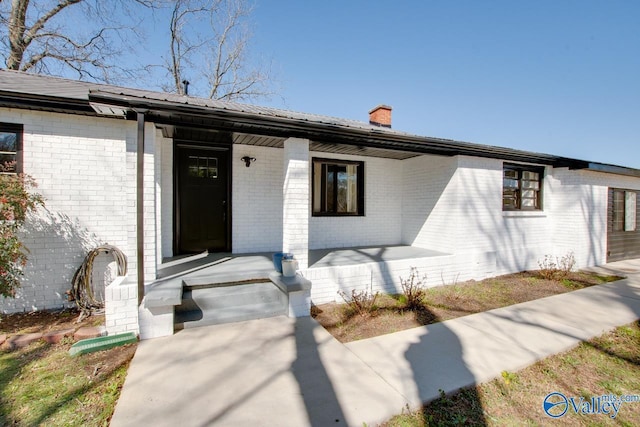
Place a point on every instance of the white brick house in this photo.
(357, 203)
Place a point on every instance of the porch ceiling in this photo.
(270, 141)
(186, 133)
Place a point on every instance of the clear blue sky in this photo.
(559, 77)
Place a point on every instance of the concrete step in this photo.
(204, 306)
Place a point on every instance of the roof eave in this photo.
(283, 126)
(45, 103)
(612, 169)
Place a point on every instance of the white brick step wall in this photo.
(233, 303)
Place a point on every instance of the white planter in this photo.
(289, 267)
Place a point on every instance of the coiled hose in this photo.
(82, 289)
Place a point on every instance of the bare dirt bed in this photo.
(446, 302)
(45, 321)
(48, 321)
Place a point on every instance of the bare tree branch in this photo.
(208, 42)
(217, 55)
(39, 24)
(41, 35)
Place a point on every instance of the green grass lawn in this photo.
(42, 385)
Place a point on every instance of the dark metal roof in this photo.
(333, 134)
(327, 130)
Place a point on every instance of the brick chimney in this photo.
(380, 116)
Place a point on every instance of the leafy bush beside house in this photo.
(16, 201)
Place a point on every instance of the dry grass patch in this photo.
(391, 314)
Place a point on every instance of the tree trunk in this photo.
(17, 28)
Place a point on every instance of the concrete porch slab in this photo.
(206, 265)
(319, 258)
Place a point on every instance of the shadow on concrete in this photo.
(436, 361)
(320, 400)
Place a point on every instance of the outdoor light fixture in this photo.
(248, 160)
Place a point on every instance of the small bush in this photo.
(360, 302)
(414, 290)
(554, 268)
(567, 263)
(16, 201)
(548, 267)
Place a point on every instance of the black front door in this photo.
(202, 199)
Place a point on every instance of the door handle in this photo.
(224, 211)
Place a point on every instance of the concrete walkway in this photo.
(291, 372)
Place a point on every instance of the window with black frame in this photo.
(338, 188)
(10, 148)
(522, 187)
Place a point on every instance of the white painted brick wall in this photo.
(428, 198)
(121, 308)
(80, 164)
(151, 208)
(295, 200)
(166, 197)
(257, 199)
(455, 205)
(299, 304)
(381, 224)
(518, 240)
(385, 277)
(86, 169)
(579, 206)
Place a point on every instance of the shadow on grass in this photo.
(11, 367)
(631, 356)
(461, 408)
(17, 364)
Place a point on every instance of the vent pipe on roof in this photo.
(380, 116)
(185, 85)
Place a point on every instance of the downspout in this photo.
(140, 202)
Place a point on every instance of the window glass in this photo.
(329, 203)
(203, 167)
(618, 210)
(337, 187)
(630, 211)
(8, 151)
(521, 187)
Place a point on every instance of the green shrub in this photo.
(16, 201)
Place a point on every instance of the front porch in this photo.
(253, 264)
(375, 268)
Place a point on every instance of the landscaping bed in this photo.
(390, 313)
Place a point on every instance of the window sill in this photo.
(331, 215)
(524, 214)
